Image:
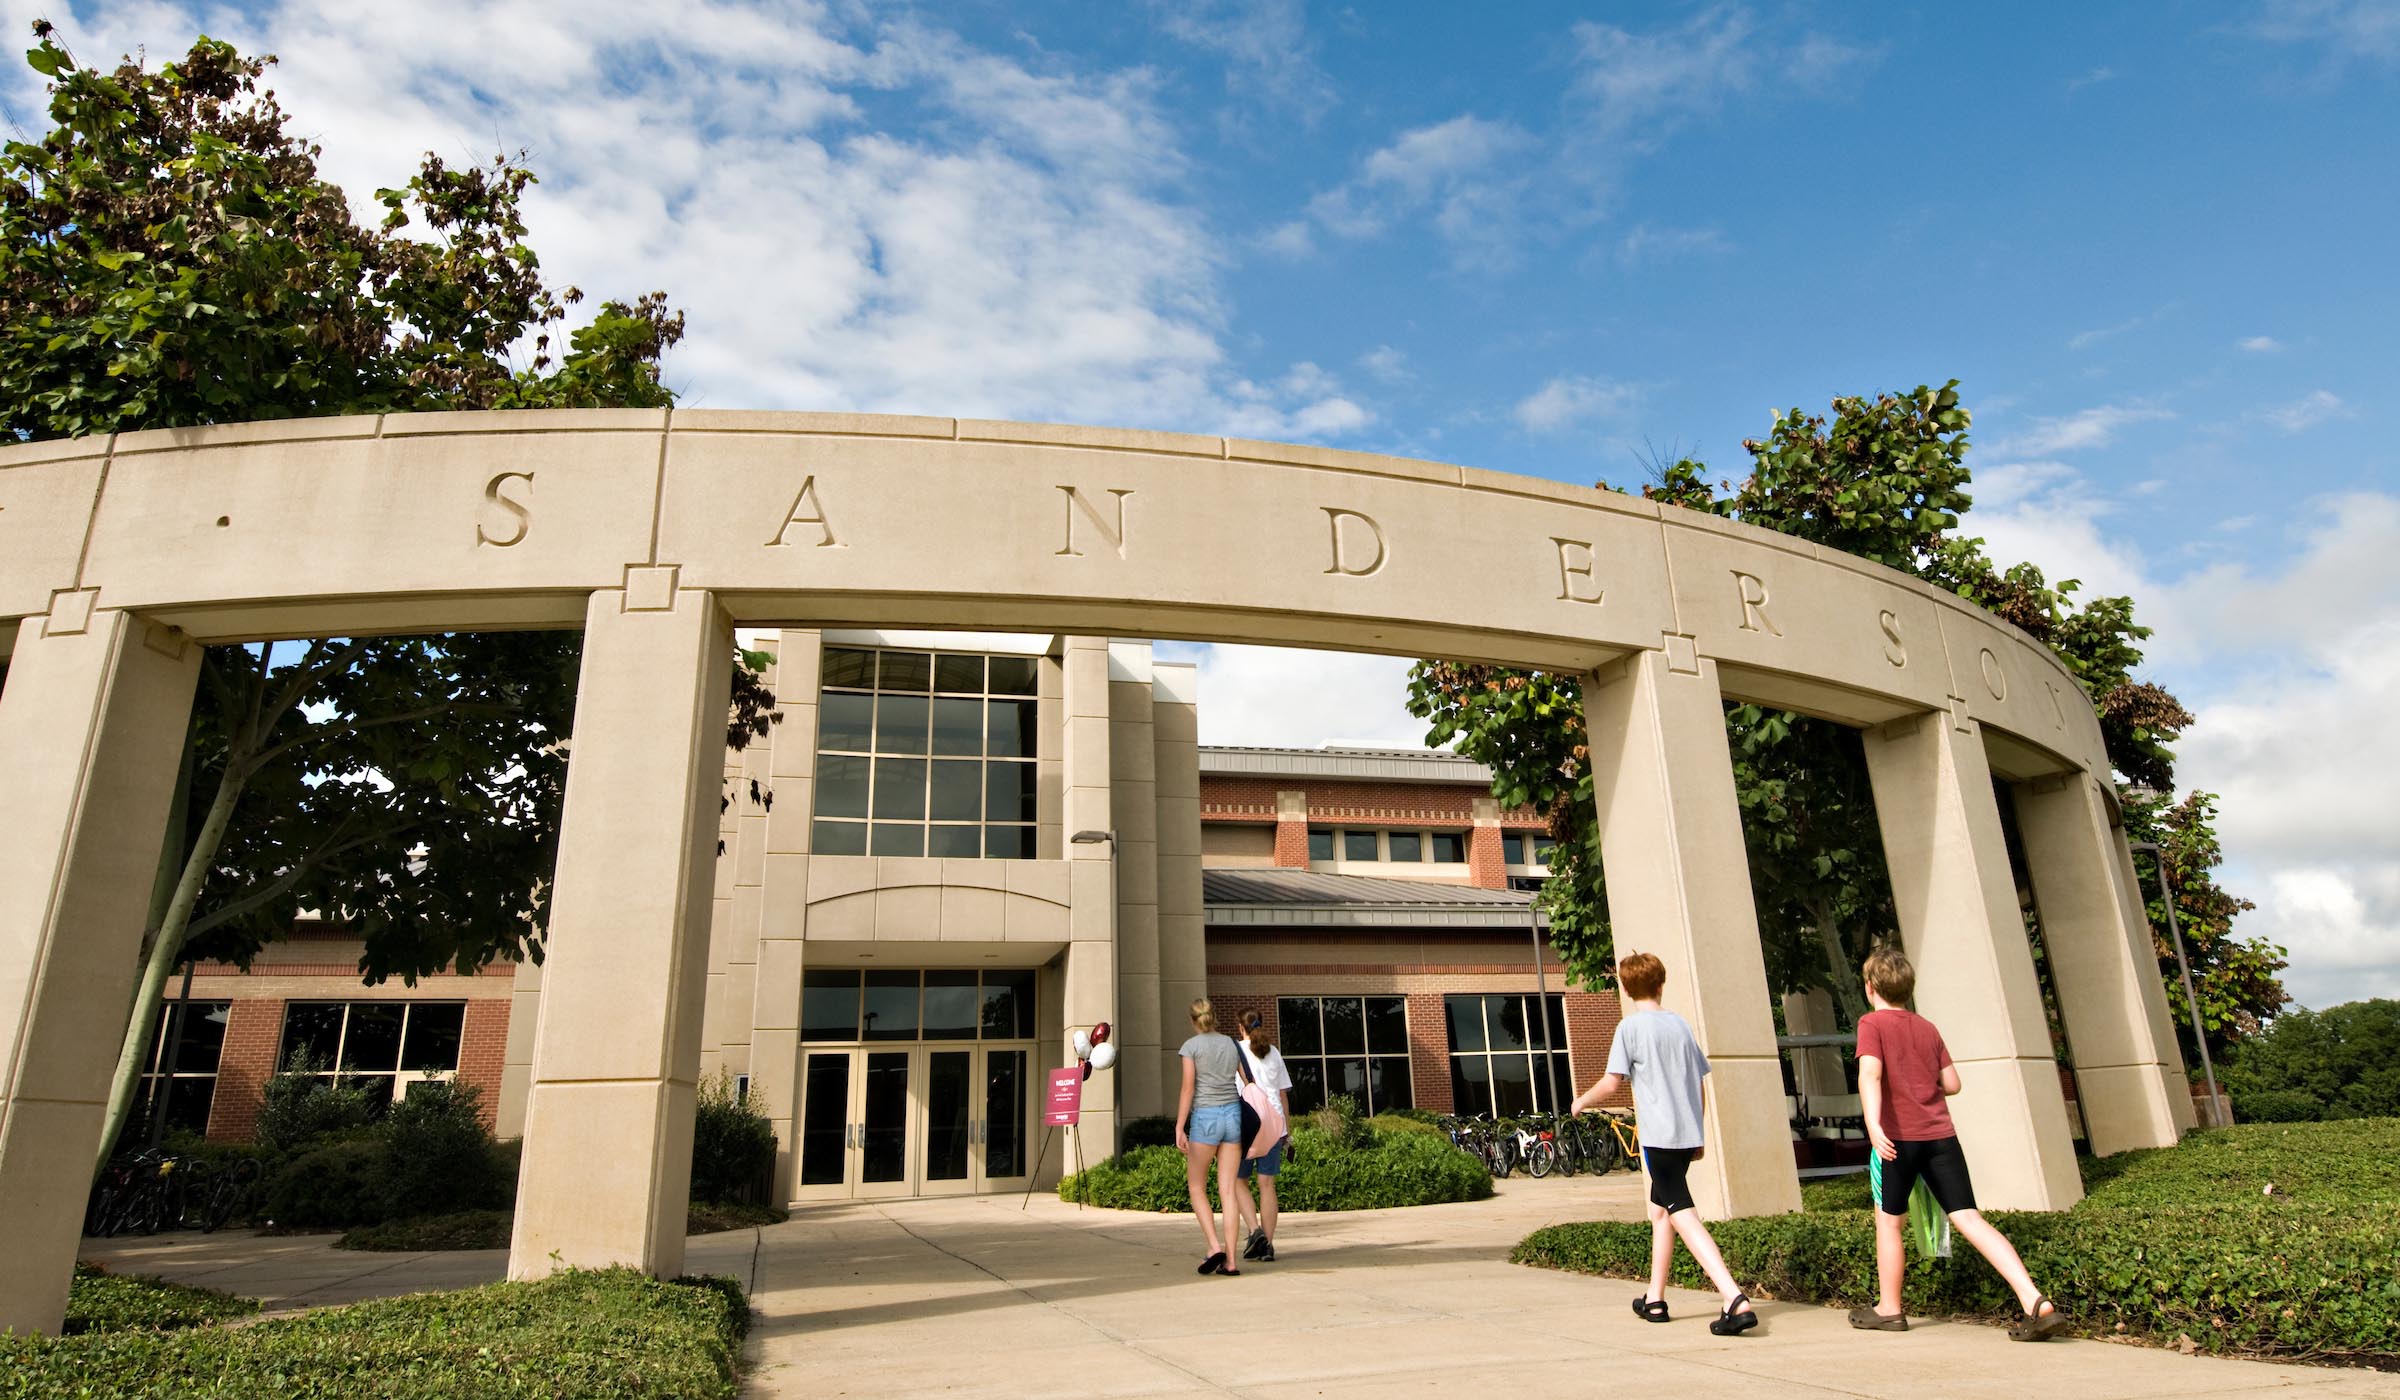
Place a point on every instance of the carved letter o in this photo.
(1993, 680)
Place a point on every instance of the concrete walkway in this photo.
(973, 1297)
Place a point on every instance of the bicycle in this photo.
(1537, 1146)
(234, 1191)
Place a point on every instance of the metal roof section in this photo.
(1266, 897)
(1369, 765)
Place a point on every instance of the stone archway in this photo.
(657, 531)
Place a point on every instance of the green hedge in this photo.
(99, 1301)
(573, 1336)
(2178, 1242)
(1321, 1172)
(489, 1229)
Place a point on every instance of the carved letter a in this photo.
(815, 516)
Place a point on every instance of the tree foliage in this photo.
(170, 256)
(2342, 1062)
(1884, 479)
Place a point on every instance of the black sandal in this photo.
(1648, 1311)
(1732, 1324)
(1212, 1263)
(2039, 1326)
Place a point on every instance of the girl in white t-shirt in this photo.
(1266, 1066)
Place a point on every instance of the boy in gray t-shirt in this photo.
(1654, 1049)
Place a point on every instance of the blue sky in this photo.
(2154, 242)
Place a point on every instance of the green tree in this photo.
(2342, 1062)
(1885, 479)
(170, 256)
(2234, 977)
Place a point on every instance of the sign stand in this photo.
(1062, 1108)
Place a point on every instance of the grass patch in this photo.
(2167, 1244)
(99, 1301)
(1368, 1169)
(572, 1336)
(489, 1229)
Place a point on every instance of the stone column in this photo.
(783, 919)
(516, 1062)
(1816, 1069)
(608, 1124)
(2100, 967)
(1679, 887)
(1960, 923)
(2174, 1072)
(1089, 984)
(1182, 912)
(1134, 783)
(91, 730)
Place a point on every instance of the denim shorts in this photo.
(1220, 1124)
(1269, 1165)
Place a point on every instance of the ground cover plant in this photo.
(1357, 1165)
(574, 1335)
(99, 1301)
(2265, 1240)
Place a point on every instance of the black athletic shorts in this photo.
(1667, 1166)
(1944, 1168)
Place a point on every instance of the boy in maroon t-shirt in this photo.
(1906, 1079)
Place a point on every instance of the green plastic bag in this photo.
(1925, 1217)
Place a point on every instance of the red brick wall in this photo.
(482, 1046)
(1354, 803)
(1291, 843)
(1487, 862)
(252, 1034)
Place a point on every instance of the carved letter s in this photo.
(521, 510)
(1894, 650)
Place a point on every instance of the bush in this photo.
(328, 1188)
(2176, 1242)
(466, 1229)
(733, 1146)
(2280, 1106)
(490, 1229)
(99, 1301)
(1321, 1172)
(1404, 1123)
(573, 1336)
(437, 1157)
(302, 1107)
(2344, 1060)
(1146, 1132)
(1338, 1118)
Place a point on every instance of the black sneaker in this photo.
(1258, 1248)
(1266, 1252)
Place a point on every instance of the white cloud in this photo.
(2093, 427)
(1571, 398)
(1270, 58)
(1286, 697)
(2262, 345)
(1387, 364)
(2292, 672)
(1012, 243)
(2345, 29)
(1463, 175)
(2081, 339)
(2305, 412)
(2091, 79)
(1645, 244)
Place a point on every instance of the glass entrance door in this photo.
(919, 1120)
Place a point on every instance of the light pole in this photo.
(2191, 998)
(1116, 1082)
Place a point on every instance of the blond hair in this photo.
(1891, 974)
(1204, 1019)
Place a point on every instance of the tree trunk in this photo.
(165, 951)
(1847, 987)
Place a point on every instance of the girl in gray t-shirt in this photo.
(1654, 1048)
(1208, 1124)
